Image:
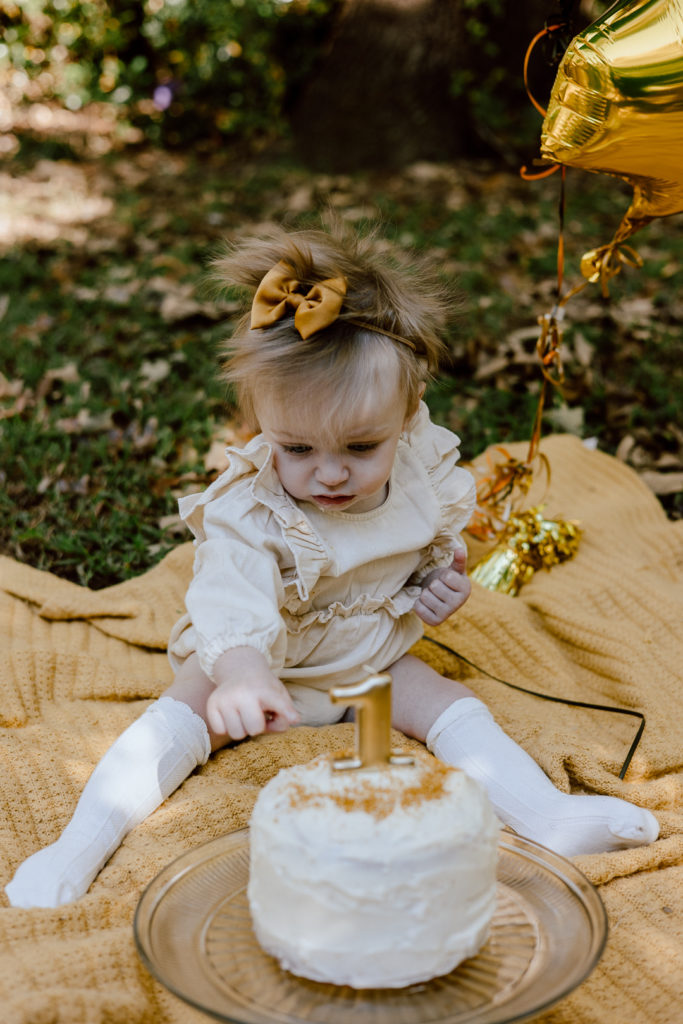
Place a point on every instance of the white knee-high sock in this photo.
(465, 735)
(143, 767)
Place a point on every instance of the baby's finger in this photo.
(281, 713)
(455, 583)
(429, 617)
(225, 722)
(430, 608)
(215, 720)
(253, 719)
(276, 723)
(439, 591)
(459, 563)
(431, 597)
(234, 725)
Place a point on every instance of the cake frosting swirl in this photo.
(372, 878)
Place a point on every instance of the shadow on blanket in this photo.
(79, 666)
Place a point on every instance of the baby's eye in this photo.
(364, 446)
(297, 449)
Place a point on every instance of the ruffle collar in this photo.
(311, 557)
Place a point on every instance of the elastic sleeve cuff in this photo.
(212, 652)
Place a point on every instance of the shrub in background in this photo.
(180, 70)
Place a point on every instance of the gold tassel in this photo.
(530, 542)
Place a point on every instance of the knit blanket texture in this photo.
(605, 627)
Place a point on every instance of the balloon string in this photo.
(556, 700)
(562, 300)
(539, 35)
(561, 207)
(524, 172)
(535, 439)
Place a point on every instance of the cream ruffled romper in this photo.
(319, 593)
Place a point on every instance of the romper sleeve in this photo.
(236, 592)
(453, 487)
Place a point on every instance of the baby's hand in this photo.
(248, 698)
(443, 591)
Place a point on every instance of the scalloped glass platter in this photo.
(193, 932)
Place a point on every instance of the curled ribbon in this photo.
(280, 290)
(498, 486)
(606, 262)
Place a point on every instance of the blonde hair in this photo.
(345, 357)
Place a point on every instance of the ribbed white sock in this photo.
(465, 735)
(143, 767)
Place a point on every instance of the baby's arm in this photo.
(249, 699)
(443, 591)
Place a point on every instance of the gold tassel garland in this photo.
(529, 542)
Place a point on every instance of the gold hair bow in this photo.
(279, 290)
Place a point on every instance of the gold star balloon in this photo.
(617, 107)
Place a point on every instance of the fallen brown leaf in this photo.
(662, 483)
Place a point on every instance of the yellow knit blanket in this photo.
(78, 666)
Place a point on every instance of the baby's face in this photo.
(349, 473)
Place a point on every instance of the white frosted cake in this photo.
(372, 878)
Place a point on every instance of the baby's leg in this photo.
(461, 731)
(139, 771)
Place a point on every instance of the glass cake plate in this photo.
(193, 931)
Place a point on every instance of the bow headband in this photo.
(280, 291)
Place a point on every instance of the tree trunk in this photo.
(382, 92)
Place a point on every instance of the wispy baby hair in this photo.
(382, 295)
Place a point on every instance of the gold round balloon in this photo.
(617, 106)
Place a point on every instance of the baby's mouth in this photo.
(332, 500)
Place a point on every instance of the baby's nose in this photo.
(331, 472)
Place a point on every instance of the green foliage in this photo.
(179, 70)
(492, 72)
